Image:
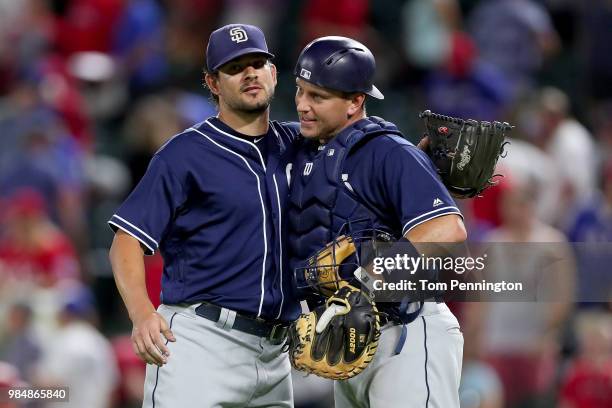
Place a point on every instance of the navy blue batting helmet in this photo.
(338, 63)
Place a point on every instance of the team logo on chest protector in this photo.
(308, 168)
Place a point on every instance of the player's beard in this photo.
(242, 106)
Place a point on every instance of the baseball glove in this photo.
(336, 340)
(464, 151)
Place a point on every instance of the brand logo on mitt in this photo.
(465, 158)
(352, 337)
(443, 130)
(238, 35)
(304, 73)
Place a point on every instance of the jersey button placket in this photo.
(254, 155)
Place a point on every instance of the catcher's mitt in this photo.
(337, 340)
(464, 151)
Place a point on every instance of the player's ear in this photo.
(273, 71)
(356, 102)
(212, 82)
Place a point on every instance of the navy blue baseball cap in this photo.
(232, 41)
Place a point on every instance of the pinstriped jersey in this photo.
(215, 209)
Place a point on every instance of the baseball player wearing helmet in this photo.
(357, 168)
(212, 203)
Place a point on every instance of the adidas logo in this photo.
(437, 202)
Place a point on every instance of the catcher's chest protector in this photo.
(320, 202)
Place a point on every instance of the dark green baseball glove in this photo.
(465, 152)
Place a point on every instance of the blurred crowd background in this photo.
(89, 89)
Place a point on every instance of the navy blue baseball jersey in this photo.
(368, 176)
(214, 207)
(398, 182)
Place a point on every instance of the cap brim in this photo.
(240, 53)
(375, 93)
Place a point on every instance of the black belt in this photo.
(274, 332)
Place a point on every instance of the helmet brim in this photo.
(375, 93)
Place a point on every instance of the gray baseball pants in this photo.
(216, 367)
(425, 374)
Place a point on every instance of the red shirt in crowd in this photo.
(587, 385)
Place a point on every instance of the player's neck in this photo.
(255, 124)
(348, 123)
(354, 119)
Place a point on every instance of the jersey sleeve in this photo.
(413, 188)
(148, 210)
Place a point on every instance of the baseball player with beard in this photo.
(212, 202)
(356, 170)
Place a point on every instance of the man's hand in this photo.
(126, 258)
(146, 340)
(424, 144)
